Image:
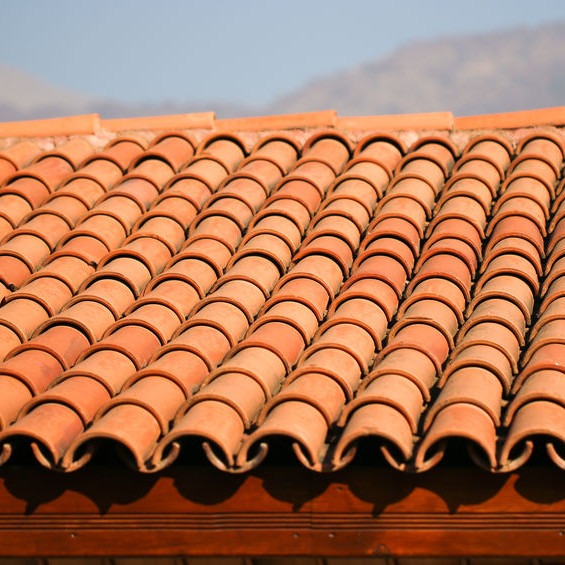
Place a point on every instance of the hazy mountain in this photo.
(496, 72)
(500, 71)
(25, 97)
(22, 93)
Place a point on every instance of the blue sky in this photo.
(245, 51)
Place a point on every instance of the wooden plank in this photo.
(358, 512)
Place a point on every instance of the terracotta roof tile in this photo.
(308, 279)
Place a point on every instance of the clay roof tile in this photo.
(306, 279)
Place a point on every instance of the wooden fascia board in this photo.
(358, 512)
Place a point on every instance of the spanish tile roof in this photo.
(352, 285)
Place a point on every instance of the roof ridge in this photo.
(87, 124)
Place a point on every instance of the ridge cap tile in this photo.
(326, 118)
(198, 120)
(421, 121)
(84, 124)
(513, 120)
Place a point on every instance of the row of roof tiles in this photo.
(89, 124)
(325, 292)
